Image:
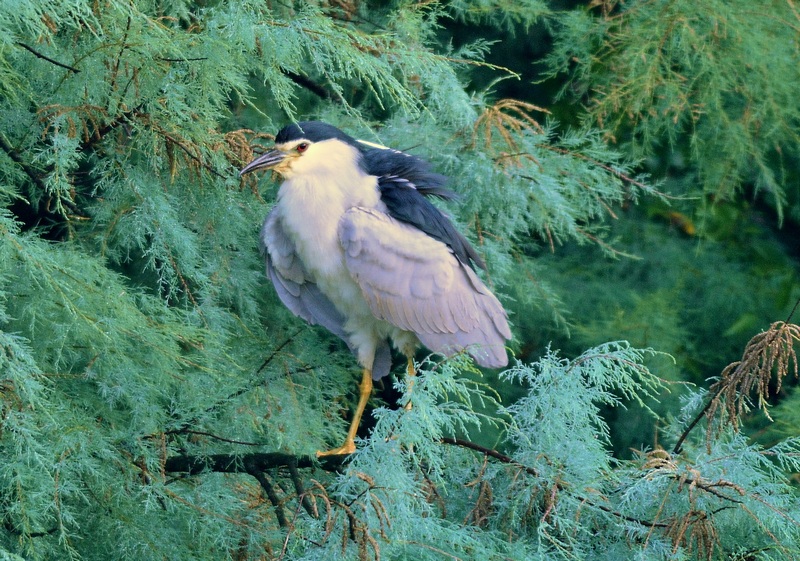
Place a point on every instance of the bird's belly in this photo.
(323, 258)
(311, 217)
(364, 330)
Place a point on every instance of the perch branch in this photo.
(245, 463)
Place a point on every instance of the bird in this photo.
(355, 245)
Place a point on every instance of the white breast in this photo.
(312, 203)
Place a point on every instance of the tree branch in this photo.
(690, 427)
(272, 495)
(48, 59)
(531, 471)
(247, 463)
(489, 452)
(315, 88)
(308, 505)
(12, 153)
(211, 435)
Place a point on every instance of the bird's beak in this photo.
(265, 161)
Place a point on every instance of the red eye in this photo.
(302, 147)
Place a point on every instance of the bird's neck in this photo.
(321, 196)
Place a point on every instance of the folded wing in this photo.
(416, 283)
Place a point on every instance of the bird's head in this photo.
(307, 147)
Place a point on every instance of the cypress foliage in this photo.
(158, 402)
(713, 81)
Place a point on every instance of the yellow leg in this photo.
(410, 373)
(349, 446)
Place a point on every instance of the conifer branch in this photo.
(317, 89)
(769, 351)
(47, 58)
(12, 153)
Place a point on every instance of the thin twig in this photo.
(278, 349)
(194, 59)
(489, 452)
(679, 445)
(794, 309)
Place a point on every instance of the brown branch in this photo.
(768, 352)
(489, 452)
(212, 435)
(272, 495)
(101, 132)
(685, 434)
(47, 58)
(278, 349)
(208, 167)
(305, 500)
(531, 471)
(618, 174)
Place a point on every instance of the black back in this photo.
(404, 181)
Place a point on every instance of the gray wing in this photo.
(416, 283)
(301, 295)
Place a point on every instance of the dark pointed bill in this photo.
(265, 161)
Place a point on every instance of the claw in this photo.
(347, 448)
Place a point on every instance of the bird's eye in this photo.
(302, 147)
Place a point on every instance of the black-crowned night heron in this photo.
(354, 245)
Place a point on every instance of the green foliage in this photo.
(713, 80)
(156, 400)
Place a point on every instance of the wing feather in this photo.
(295, 289)
(416, 283)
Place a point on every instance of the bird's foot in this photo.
(347, 448)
